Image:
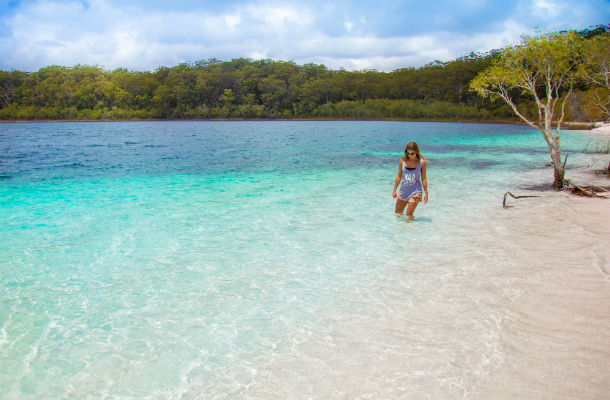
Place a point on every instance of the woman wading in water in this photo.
(412, 179)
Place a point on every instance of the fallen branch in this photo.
(589, 191)
(513, 196)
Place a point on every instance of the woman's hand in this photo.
(394, 193)
(425, 197)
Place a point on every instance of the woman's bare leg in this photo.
(411, 208)
(400, 205)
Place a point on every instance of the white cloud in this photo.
(232, 21)
(547, 6)
(345, 34)
(348, 25)
(257, 55)
(280, 16)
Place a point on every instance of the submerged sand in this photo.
(522, 312)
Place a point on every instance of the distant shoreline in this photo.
(514, 121)
(463, 120)
(584, 126)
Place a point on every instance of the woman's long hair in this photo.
(413, 147)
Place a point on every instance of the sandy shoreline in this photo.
(565, 316)
(594, 212)
(555, 336)
(604, 129)
(567, 310)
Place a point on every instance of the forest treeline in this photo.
(260, 89)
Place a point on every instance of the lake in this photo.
(263, 259)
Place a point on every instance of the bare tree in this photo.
(545, 67)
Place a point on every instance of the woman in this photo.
(412, 179)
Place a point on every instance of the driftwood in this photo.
(589, 191)
(513, 196)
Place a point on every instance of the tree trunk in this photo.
(554, 147)
(559, 174)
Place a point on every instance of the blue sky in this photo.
(351, 34)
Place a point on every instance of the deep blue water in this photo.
(42, 151)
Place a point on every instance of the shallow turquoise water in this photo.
(224, 259)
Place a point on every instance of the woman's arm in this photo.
(424, 180)
(398, 178)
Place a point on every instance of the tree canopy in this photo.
(597, 63)
(546, 67)
(247, 88)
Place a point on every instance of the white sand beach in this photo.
(567, 311)
(604, 128)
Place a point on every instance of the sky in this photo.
(385, 35)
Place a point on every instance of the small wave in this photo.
(480, 164)
(73, 165)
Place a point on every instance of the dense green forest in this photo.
(251, 89)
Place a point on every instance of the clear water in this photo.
(264, 260)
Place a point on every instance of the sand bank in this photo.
(604, 129)
(559, 332)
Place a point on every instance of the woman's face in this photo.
(411, 154)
